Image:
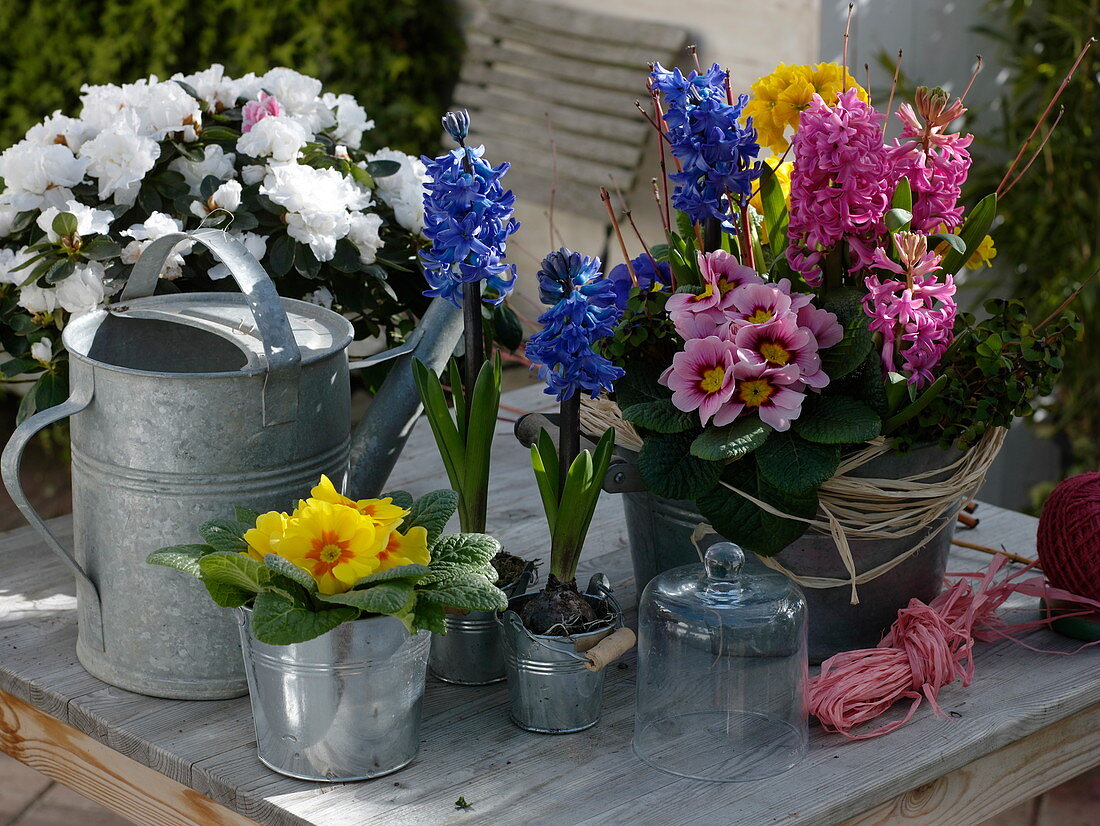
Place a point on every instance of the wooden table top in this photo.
(470, 749)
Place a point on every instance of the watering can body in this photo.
(183, 406)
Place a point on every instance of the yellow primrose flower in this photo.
(780, 98)
(782, 177)
(404, 549)
(265, 537)
(337, 545)
(384, 513)
(982, 256)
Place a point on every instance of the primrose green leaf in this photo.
(471, 592)
(224, 535)
(793, 465)
(390, 597)
(409, 572)
(837, 420)
(669, 469)
(234, 569)
(472, 549)
(431, 512)
(181, 557)
(731, 442)
(285, 567)
(278, 621)
(659, 416)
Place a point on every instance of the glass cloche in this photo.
(722, 670)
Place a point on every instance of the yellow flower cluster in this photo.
(779, 98)
(338, 540)
(981, 257)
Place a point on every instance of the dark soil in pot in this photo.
(509, 567)
(561, 610)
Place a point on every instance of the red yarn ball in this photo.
(1069, 536)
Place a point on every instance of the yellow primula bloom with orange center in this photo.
(780, 98)
(336, 544)
(385, 514)
(404, 549)
(264, 539)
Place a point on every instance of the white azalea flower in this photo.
(256, 245)
(157, 225)
(215, 161)
(84, 290)
(7, 218)
(253, 173)
(59, 128)
(322, 297)
(278, 137)
(36, 299)
(317, 201)
(169, 110)
(9, 260)
(227, 197)
(404, 190)
(29, 169)
(351, 119)
(42, 350)
(363, 232)
(216, 90)
(89, 221)
(120, 158)
(300, 96)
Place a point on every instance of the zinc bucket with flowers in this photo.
(336, 603)
(798, 377)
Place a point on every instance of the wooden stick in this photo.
(967, 520)
(985, 549)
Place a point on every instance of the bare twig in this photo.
(973, 76)
(606, 198)
(1038, 152)
(893, 89)
(1046, 112)
(985, 549)
(1067, 302)
(553, 172)
(844, 49)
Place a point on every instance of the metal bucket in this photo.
(660, 532)
(550, 690)
(183, 406)
(470, 653)
(343, 706)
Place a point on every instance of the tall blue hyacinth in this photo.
(468, 218)
(582, 311)
(717, 153)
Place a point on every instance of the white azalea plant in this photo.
(274, 159)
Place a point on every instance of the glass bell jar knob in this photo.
(724, 561)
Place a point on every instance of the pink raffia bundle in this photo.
(928, 647)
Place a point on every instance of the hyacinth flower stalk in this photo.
(468, 217)
(582, 312)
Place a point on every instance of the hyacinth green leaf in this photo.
(732, 442)
(951, 239)
(776, 215)
(922, 401)
(450, 442)
(898, 220)
(903, 196)
(973, 232)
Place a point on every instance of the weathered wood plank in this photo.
(991, 784)
(533, 190)
(623, 125)
(584, 24)
(489, 126)
(549, 91)
(527, 58)
(625, 54)
(101, 774)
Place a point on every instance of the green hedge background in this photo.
(398, 57)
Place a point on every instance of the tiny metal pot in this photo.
(470, 652)
(550, 689)
(343, 706)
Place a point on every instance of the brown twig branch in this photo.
(1038, 152)
(606, 198)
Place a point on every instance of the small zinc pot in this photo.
(550, 689)
(343, 706)
(471, 653)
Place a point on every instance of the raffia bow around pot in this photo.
(880, 537)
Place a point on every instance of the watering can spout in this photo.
(382, 432)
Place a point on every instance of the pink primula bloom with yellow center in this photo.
(759, 303)
(773, 392)
(780, 342)
(701, 376)
(334, 543)
(385, 514)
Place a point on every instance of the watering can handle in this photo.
(284, 359)
(80, 396)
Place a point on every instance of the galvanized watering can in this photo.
(183, 406)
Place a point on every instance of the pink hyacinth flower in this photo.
(255, 111)
(701, 376)
(775, 393)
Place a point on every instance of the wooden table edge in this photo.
(999, 780)
(133, 790)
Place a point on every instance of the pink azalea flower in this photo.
(773, 392)
(782, 342)
(701, 376)
(256, 110)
